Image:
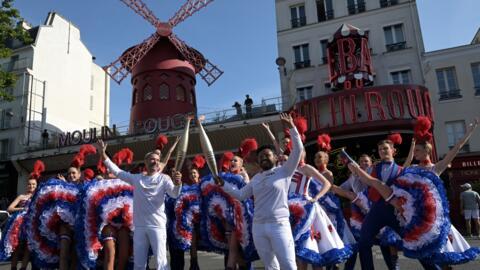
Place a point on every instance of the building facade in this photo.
(304, 28)
(453, 77)
(59, 88)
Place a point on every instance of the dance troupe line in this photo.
(288, 214)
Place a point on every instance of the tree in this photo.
(10, 29)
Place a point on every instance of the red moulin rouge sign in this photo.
(390, 107)
(349, 60)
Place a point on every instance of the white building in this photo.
(304, 27)
(59, 88)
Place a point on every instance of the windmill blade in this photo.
(187, 10)
(120, 68)
(141, 9)
(210, 73)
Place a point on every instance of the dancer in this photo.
(148, 201)
(381, 213)
(183, 217)
(104, 218)
(13, 242)
(271, 229)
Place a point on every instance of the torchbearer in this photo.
(272, 234)
(149, 218)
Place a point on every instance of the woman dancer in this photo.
(13, 238)
(183, 215)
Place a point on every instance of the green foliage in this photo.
(10, 29)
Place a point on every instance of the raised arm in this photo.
(384, 190)
(297, 147)
(112, 167)
(169, 154)
(408, 160)
(266, 126)
(315, 174)
(13, 206)
(240, 194)
(443, 164)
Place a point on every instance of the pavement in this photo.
(212, 261)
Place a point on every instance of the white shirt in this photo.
(353, 183)
(148, 195)
(270, 188)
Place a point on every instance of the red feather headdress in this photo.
(323, 142)
(421, 131)
(38, 168)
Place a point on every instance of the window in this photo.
(6, 118)
(476, 78)
(394, 38)
(447, 83)
(387, 3)
(455, 132)
(355, 6)
(164, 91)
(323, 46)
(302, 57)
(324, 10)
(136, 97)
(147, 93)
(91, 103)
(304, 93)
(180, 90)
(401, 77)
(298, 17)
(4, 148)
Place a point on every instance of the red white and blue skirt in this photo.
(53, 204)
(219, 210)
(316, 239)
(12, 235)
(183, 216)
(102, 203)
(332, 206)
(456, 250)
(424, 221)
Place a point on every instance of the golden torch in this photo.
(208, 151)
(183, 145)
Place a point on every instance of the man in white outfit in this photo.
(272, 234)
(149, 218)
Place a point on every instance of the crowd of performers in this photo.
(280, 210)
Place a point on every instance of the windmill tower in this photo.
(163, 69)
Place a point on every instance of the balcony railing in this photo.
(396, 46)
(387, 3)
(298, 22)
(452, 94)
(304, 64)
(356, 8)
(17, 64)
(327, 15)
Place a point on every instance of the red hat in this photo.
(161, 141)
(88, 174)
(225, 161)
(198, 162)
(396, 138)
(124, 155)
(79, 158)
(247, 146)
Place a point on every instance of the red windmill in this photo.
(163, 69)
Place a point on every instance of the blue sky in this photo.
(238, 36)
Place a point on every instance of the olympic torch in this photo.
(183, 145)
(208, 151)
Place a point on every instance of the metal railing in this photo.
(268, 106)
(387, 3)
(304, 64)
(451, 94)
(298, 22)
(356, 8)
(396, 46)
(325, 16)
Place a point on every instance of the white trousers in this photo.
(145, 237)
(275, 245)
